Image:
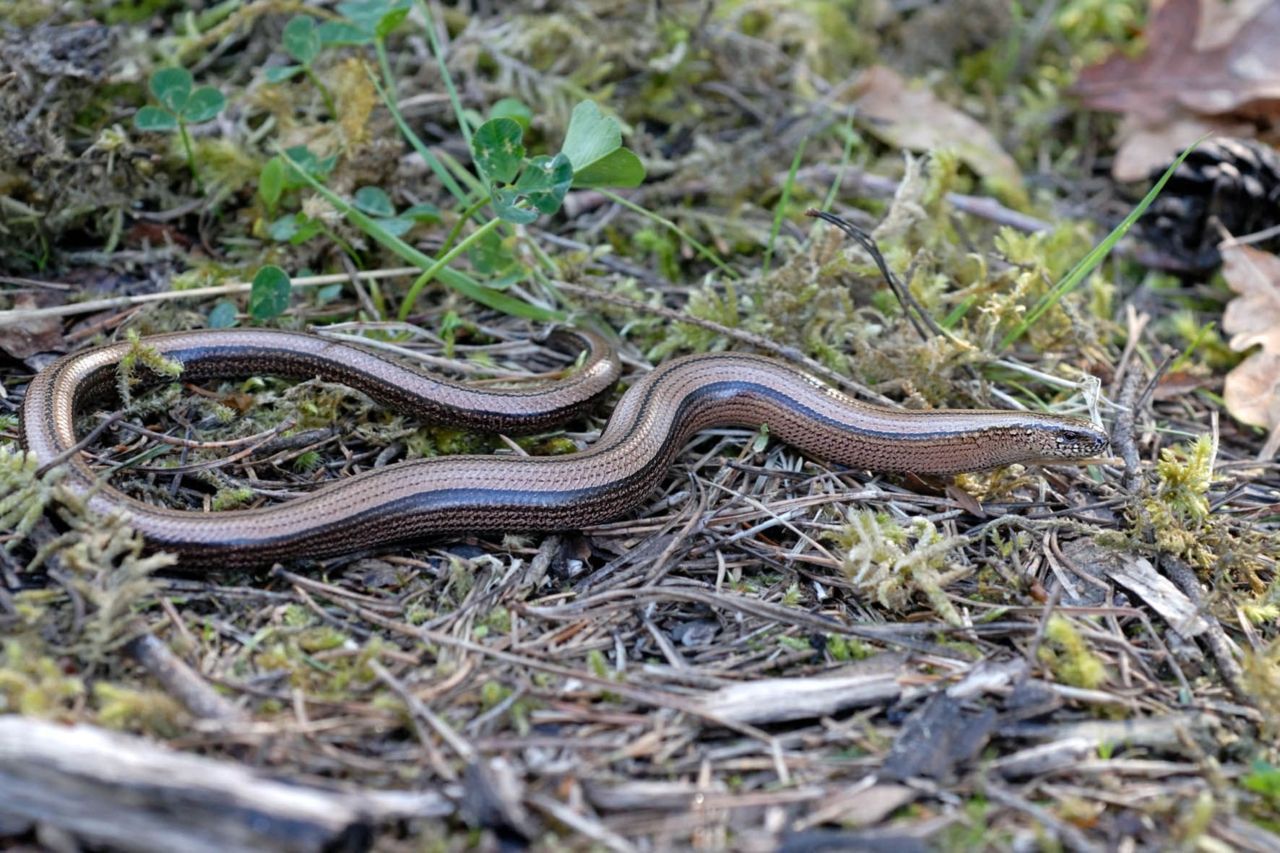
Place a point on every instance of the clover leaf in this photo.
(180, 104)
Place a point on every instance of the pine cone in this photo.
(1235, 181)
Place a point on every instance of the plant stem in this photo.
(780, 209)
(191, 155)
(667, 223)
(406, 307)
(430, 27)
(456, 279)
(324, 92)
(462, 220)
(342, 244)
(386, 90)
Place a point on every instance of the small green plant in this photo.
(138, 355)
(1178, 509)
(1264, 779)
(303, 40)
(375, 202)
(290, 172)
(1082, 270)
(1069, 656)
(269, 293)
(181, 104)
(222, 315)
(521, 188)
(25, 493)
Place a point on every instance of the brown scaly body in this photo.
(413, 500)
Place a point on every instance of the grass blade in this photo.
(461, 282)
(1090, 262)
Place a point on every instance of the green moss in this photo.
(138, 355)
(233, 498)
(493, 693)
(795, 644)
(34, 684)
(24, 496)
(130, 709)
(1178, 508)
(891, 561)
(1263, 781)
(599, 664)
(1261, 678)
(138, 11)
(846, 649)
(1069, 657)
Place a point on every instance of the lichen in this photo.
(881, 557)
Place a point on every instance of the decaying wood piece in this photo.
(129, 793)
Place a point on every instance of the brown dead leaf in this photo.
(1208, 66)
(1147, 148)
(1172, 74)
(912, 117)
(1221, 22)
(25, 337)
(1177, 384)
(1252, 389)
(1253, 317)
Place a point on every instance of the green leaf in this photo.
(489, 255)
(513, 109)
(591, 137)
(269, 293)
(622, 168)
(374, 200)
(307, 229)
(506, 203)
(222, 316)
(300, 39)
(172, 87)
(204, 103)
(154, 119)
(375, 16)
(283, 72)
(309, 162)
(456, 279)
(342, 33)
(328, 293)
(271, 181)
(283, 228)
(391, 20)
(497, 150)
(395, 225)
(422, 212)
(293, 228)
(1076, 275)
(545, 180)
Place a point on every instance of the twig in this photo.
(26, 315)
(914, 310)
(1215, 638)
(195, 694)
(1071, 837)
(79, 445)
(982, 207)
(1122, 434)
(124, 792)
